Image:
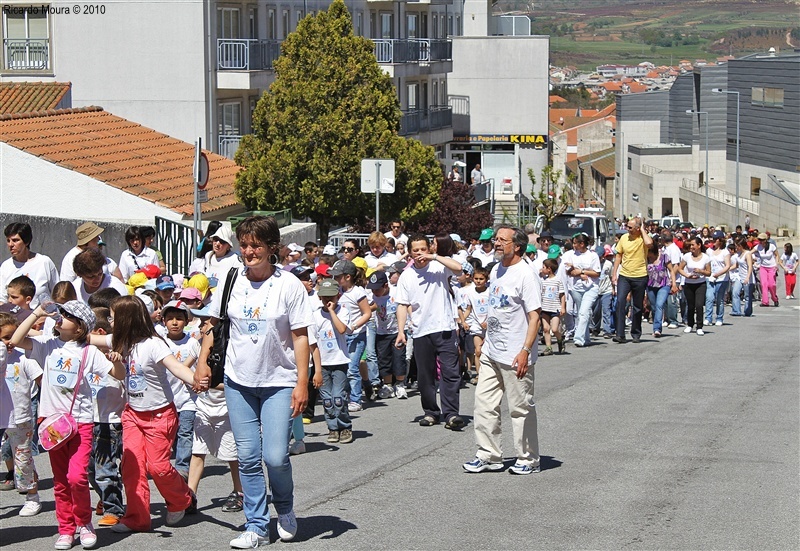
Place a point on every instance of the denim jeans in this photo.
(183, 441)
(715, 294)
(606, 303)
(104, 466)
(636, 286)
(674, 306)
(658, 299)
(584, 302)
(261, 422)
(736, 299)
(355, 349)
(334, 397)
(372, 356)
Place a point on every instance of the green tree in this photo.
(331, 106)
(552, 198)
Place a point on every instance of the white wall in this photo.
(141, 60)
(64, 193)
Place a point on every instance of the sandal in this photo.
(428, 421)
(548, 351)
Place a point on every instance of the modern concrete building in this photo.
(499, 91)
(196, 69)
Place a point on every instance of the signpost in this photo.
(377, 176)
(200, 173)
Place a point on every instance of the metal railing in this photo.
(415, 121)
(412, 50)
(459, 104)
(649, 170)
(721, 196)
(228, 144)
(26, 54)
(174, 240)
(247, 54)
(513, 25)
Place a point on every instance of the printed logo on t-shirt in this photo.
(482, 306)
(94, 382)
(497, 298)
(62, 370)
(328, 339)
(137, 384)
(12, 376)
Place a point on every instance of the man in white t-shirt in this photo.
(507, 360)
(424, 294)
(396, 232)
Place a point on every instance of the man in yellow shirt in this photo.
(629, 276)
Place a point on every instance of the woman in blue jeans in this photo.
(746, 281)
(660, 279)
(266, 375)
(719, 280)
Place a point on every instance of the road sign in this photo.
(202, 171)
(202, 195)
(374, 169)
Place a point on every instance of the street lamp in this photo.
(721, 91)
(623, 168)
(707, 179)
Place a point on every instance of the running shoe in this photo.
(478, 465)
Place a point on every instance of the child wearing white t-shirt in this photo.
(69, 365)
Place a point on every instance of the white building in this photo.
(196, 69)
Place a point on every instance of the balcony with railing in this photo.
(26, 54)
(413, 50)
(228, 144)
(417, 121)
(245, 63)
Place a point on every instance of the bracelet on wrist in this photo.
(527, 349)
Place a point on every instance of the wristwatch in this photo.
(526, 349)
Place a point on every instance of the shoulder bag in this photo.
(57, 429)
(221, 332)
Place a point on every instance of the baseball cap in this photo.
(486, 234)
(546, 234)
(396, 267)
(191, 293)
(342, 267)
(719, 234)
(164, 282)
(151, 271)
(322, 269)
(86, 232)
(199, 282)
(762, 236)
(328, 288)
(17, 311)
(530, 248)
(329, 249)
(360, 263)
(137, 280)
(78, 309)
(377, 280)
(175, 305)
(554, 251)
(607, 250)
(225, 234)
(300, 271)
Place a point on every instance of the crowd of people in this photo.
(124, 348)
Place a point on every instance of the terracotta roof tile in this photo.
(122, 154)
(26, 97)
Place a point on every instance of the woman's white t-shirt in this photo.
(587, 260)
(263, 315)
(698, 264)
(146, 377)
(61, 362)
(718, 263)
(6, 404)
(187, 347)
(219, 267)
(108, 281)
(40, 269)
(741, 260)
(766, 257)
(790, 262)
(130, 262)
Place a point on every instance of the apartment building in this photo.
(196, 69)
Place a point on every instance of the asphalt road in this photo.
(685, 442)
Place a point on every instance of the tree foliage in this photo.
(454, 213)
(331, 106)
(552, 198)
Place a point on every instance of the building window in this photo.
(272, 27)
(387, 23)
(253, 23)
(630, 163)
(435, 25)
(755, 186)
(458, 29)
(230, 119)
(286, 22)
(450, 25)
(435, 94)
(26, 39)
(359, 24)
(373, 26)
(412, 93)
(228, 23)
(411, 25)
(767, 97)
(423, 25)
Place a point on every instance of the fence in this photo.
(174, 240)
(721, 196)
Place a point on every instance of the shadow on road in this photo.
(322, 527)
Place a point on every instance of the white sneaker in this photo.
(248, 540)
(297, 447)
(400, 392)
(88, 536)
(672, 326)
(287, 526)
(788, 297)
(718, 324)
(31, 508)
(354, 406)
(688, 329)
(64, 541)
(385, 392)
(175, 517)
(700, 332)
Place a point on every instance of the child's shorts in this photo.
(213, 435)
(552, 314)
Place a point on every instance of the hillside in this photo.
(593, 32)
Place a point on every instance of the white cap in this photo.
(225, 234)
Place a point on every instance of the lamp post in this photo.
(721, 91)
(692, 112)
(623, 167)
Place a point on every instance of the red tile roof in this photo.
(123, 154)
(26, 97)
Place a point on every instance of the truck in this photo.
(597, 223)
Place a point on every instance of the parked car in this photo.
(670, 222)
